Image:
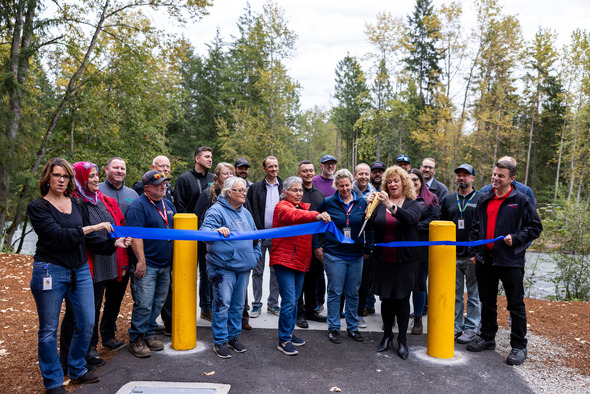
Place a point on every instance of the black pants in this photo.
(365, 284)
(307, 302)
(114, 292)
(488, 277)
(392, 308)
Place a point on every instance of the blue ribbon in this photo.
(399, 244)
(196, 235)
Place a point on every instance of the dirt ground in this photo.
(566, 324)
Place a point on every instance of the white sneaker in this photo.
(362, 322)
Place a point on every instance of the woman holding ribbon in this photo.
(229, 265)
(290, 257)
(395, 270)
(103, 267)
(60, 270)
(430, 211)
(344, 262)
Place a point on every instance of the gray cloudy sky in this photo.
(328, 29)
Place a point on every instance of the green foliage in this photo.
(567, 231)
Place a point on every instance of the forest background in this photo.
(92, 79)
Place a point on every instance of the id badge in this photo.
(347, 232)
(461, 224)
(47, 283)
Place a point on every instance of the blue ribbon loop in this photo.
(279, 232)
(209, 236)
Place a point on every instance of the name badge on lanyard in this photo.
(461, 224)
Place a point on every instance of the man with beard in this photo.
(459, 208)
(377, 170)
(324, 181)
(242, 167)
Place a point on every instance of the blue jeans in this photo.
(290, 286)
(229, 294)
(149, 294)
(343, 276)
(466, 274)
(48, 309)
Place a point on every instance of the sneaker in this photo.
(275, 310)
(362, 322)
(301, 322)
(222, 351)
(236, 345)
(206, 315)
(458, 334)
(154, 344)
(334, 336)
(139, 348)
(466, 337)
(356, 336)
(296, 341)
(479, 344)
(255, 312)
(516, 357)
(58, 390)
(88, 377)
(288, 349)
(160, 329)
(113, 344)
(418, 328)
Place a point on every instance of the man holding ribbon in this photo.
(503, 211)
(459, 208)
(149, 263)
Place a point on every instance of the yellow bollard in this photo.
(184, 280)
(440, 341)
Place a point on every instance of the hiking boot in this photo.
(236, 345)
(206, 315)
(139, 348)
(516, 357)
(480, 344)
(418, 329)
(154, 344)
(222, 351)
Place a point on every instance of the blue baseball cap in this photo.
(467, 167)
(326, 158)
(403, 157)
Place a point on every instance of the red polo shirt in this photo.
(492, 213)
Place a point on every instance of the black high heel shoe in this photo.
(402, 350)
(385, 343)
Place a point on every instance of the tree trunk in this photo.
(559, 157)
(528, 154)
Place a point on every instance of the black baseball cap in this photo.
(153, 177)
(377, 165)
(467, 167)
(326, 158)
(241, 162)
(403, 157)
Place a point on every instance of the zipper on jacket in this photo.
(294, 249)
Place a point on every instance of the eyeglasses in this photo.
(240, 191)
(56, 176)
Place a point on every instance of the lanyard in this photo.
(347, 210)
(462, 209)
(162, 214)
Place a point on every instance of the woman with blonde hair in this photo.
(395, 270)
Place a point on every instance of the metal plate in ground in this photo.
(147, 387)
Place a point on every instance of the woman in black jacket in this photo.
(395, 270)
(60, 270)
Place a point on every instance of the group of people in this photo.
(76, 260)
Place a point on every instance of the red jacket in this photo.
(292, 252)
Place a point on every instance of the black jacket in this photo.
(188, 188)
(313, 196)
(517, 217)
(439, 189)
(450, 211)
(257, 200)
(408, 216)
